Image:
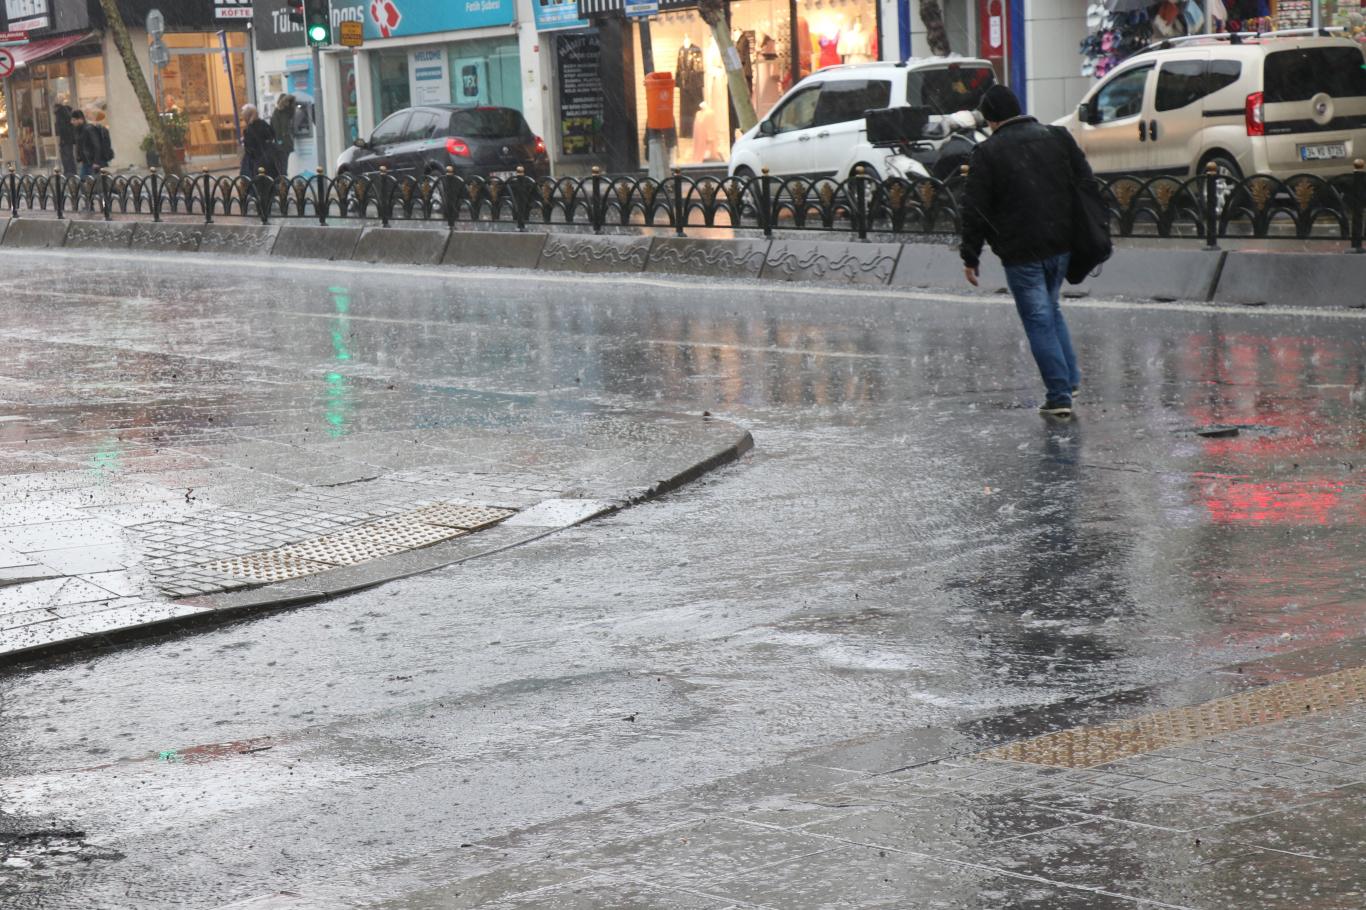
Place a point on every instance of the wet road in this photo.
(910, 546)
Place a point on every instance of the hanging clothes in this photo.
(690, 77)
(830, 55)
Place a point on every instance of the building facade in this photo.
(71, 57)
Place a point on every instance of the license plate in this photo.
(1323, 152)
(508, 175)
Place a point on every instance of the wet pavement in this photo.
(652, 710)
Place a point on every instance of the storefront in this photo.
(778, 42)
(428, 53)
(205, 82)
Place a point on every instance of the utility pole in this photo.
(319, 33)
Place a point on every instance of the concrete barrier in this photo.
(495, 249)
(36, 233)
(168, 238)
(1156, 274)
(238, 239)
(932, 265)
(4, 226)
(593, 253)
(1293, 279)
(402, 246)
(100, 235)
(314, 241)
(713, 258)
(832, 261)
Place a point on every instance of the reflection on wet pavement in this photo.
(909, 547)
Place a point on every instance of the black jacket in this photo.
(1019, 193)
(89, 148)
(66, 133)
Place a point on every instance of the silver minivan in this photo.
(1271, 104)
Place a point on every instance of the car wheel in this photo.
(744, 173)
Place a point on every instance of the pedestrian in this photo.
(1019, 198)
(66, 134)
(106, 154)
(282, 124)
(258, 144)
(89, 149)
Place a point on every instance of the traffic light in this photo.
(319, 28)
(296, 12)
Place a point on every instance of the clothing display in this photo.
(855, 45)
(690, 82)
(803, 47)
(830, 53)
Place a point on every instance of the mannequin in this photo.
(830, 55)
(690, 77)
(767, 89)
(855, 44)
(715, 91)
(704, 134)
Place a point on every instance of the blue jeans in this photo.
(87, 170)
(1037, 287)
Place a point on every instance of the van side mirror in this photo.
(766, 128)
(1087, 114)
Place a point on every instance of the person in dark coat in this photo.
(89, 149)
(1019, 196)
(258, 144)
(66, 135)
(282, 124)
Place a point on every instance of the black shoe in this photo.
(1056, 408)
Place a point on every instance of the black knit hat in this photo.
(999, 104)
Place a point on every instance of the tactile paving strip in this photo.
(1086, 747)
(371, 541)
(266, 567)
(470, 518)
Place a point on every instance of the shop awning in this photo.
(43, 48)
(618, 7)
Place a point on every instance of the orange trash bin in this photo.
(659, 95)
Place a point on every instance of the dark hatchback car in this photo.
(476, 141)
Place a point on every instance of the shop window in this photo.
(90, 90)
(1122, 96)
(847, 99)
(390, 71)
(1181, 83)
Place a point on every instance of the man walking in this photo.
(1019, 198)
(89, 148)
(66, 135)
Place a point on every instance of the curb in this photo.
(1136, 272)
(233, 606)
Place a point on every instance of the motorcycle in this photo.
(922, 144)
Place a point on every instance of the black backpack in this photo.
(106, 145)
(1091, 244)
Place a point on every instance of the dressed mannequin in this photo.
(690, 77)
(855, 44)
(830, 55)
(704, 134)
(715, 91)
(767, 73)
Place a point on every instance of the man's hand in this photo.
(970, 272)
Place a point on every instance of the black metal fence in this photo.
(1209, 206)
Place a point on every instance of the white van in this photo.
(1277, 104)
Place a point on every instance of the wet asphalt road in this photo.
(909, 546)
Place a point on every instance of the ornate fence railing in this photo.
(1208, 207)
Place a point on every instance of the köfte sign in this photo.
(397, 18)
(232, 9)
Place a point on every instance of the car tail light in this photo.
(1255, 114)
(458, 147)
(540, 146)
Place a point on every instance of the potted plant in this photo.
(173, 122)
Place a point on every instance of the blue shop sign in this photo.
(552, 14)
(400, 18)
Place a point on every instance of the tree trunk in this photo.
(935, 34)
(170, 161)
(714, 14)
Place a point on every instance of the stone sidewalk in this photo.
(1252, 799)
(146, 490)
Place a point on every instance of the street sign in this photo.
(352, 34)
(6, 63)
(156, 23)
(638, 9)
(12, 39)
(158, 53)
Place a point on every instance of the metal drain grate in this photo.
(266, 567)
(1086, 747)
(470, 518)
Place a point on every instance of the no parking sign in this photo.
(6, 63)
